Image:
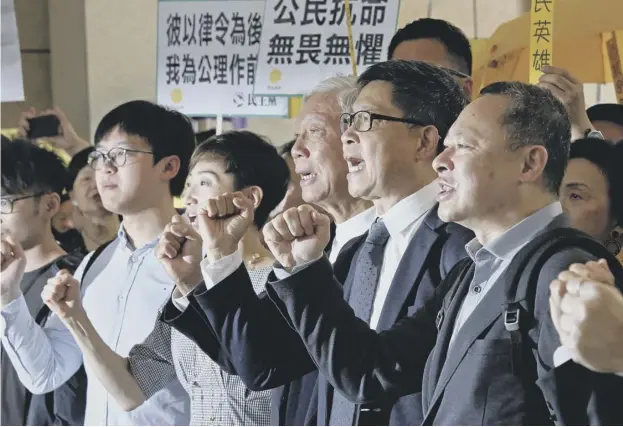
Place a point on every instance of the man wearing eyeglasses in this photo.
(401, 114)
(32, 181)
(141, 158)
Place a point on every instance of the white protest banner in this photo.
(12, 79)
(207, 58)
(306, 41)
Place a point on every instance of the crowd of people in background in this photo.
(412, 256)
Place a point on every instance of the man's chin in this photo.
(313, 194)
(446, 212)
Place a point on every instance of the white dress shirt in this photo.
(402, 221)
(353, 227)
(122, 302)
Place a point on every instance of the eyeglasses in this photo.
(117, 156)
(7, 204)
(362, 120)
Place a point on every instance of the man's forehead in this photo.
(377, 93)
(120, 139)
(427, 50)
(321, 102)
(320, 108)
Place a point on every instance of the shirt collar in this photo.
(516, 237)
(355, 226)
(123, 237)
(411, 208)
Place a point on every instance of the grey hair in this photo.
(345, 86)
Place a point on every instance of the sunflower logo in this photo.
(176, 95)
(275, 76)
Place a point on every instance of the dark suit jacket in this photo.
(472, 382)
(266, 352)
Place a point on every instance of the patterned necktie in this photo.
(367, 270)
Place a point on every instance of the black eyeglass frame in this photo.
(17, 199)
(373, 117)
(95, 156)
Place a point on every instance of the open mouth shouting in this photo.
(446, 191)
(355, 164)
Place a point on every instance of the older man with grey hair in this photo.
(319, 161)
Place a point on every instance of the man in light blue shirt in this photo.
(141, 162)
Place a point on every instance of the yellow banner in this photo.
(541, 36)
(295, 103)
(616, 66)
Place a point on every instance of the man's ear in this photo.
(534, 162)
(171, 167)
(428, 143)
(468, 88)
(51, 204)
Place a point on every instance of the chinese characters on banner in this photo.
(207, 58)
(541, 33)
(306, 41)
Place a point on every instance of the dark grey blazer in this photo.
(266, 352)
(472, 384)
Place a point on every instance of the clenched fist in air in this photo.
(179, 251)
(62, 295)
(12, 265)
(297, 236)
(223, 222)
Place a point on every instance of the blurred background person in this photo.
(63, 227)
(95, 224)
(437, 42)
(592, 191)
(608, 119)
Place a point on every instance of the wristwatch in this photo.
(592, 133)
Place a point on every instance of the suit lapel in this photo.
(487, 311)
(411, 265)
(445, 324)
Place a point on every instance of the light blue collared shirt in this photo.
(122, 302)
(493, 259)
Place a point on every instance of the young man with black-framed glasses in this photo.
(145, 151)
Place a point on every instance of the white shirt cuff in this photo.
(561, 355)
(281, 273)
(215, 273)
(179, 300)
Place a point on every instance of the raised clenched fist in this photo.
(297, 236)
(62, 295)
(12, 265)
(179, 251)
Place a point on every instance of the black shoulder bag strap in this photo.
(43, 313)
(525, 274)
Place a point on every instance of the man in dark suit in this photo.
(486, 352)
(402, 111)
(316, 157)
